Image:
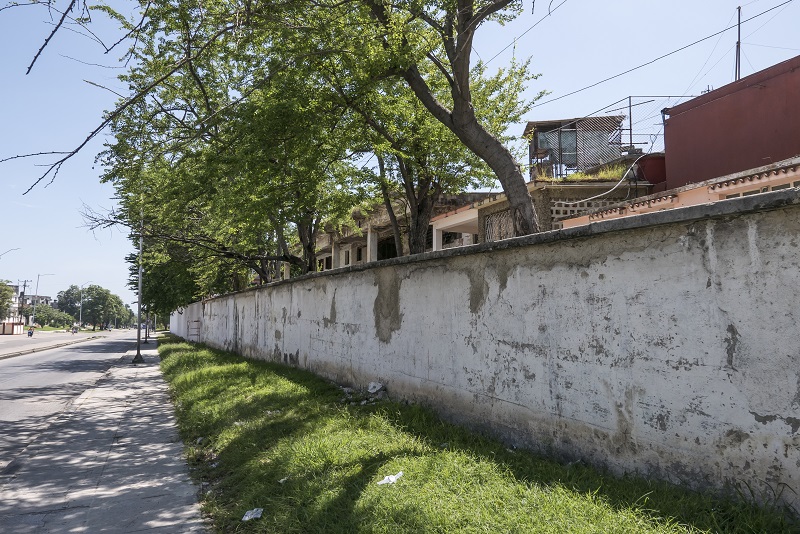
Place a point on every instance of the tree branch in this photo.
(52, 33)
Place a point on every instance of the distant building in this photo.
(371, 238)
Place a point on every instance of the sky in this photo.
(572, 44)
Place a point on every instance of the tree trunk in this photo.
(463, 123)
(387, 202)
(502, 162)
(306, 233)
(418, 228)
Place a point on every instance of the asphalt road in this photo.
(35, 388)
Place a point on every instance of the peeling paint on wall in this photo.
(386, 309)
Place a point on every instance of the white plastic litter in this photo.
(255, 513)
(284, 479)
(390, 479)
(374, 387)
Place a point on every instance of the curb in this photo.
(39, 349)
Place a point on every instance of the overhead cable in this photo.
(549, 12)
(659, 57)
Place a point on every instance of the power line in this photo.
(708, 58)
(659, 57)
(769, 46)
(549, 12)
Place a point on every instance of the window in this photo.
(358, 253)
(347, 257)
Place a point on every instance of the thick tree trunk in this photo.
(463, 123)
(418, 227)
(307, 236)
(505, 167)
(387, 202)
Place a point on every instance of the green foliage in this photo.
(101, 307)
(25, 311)
(6, 299)
(49, 316)
(69, 300)
(269, 436)
(249, 129)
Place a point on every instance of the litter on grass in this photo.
(390, 479)
(255, 513)
(374, 387)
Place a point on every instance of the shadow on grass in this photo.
(245, 472)
(650, 498)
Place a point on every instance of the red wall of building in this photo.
(743, 125)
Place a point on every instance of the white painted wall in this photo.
(664, 344)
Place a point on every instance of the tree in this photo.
(49, 316)
(25, 311)
(101, 307)
(177, 45)
(232, 193)
(6, 299)
(418, 158)
(69, 300)
(454, 25)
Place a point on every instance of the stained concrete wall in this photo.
(663, 345)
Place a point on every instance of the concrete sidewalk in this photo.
(112, 462)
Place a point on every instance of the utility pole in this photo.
(21, 298)
(739, 46)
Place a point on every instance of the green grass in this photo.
(607, 174)
(262, 435)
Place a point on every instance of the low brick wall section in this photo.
(664, 345)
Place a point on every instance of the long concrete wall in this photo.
(664, 345)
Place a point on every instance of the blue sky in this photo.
(581, 42)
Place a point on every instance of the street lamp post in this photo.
(138, 358)
(36, 296)
(80, 310)
(7, 251)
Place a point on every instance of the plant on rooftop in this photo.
(611, 173)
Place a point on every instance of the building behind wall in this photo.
(370, 237)
(558, 148)
(746, 124)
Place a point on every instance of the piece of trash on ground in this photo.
(284, 479)
(374, 387)
(255, 513)
(390, 479)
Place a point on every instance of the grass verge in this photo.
(262, 435)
